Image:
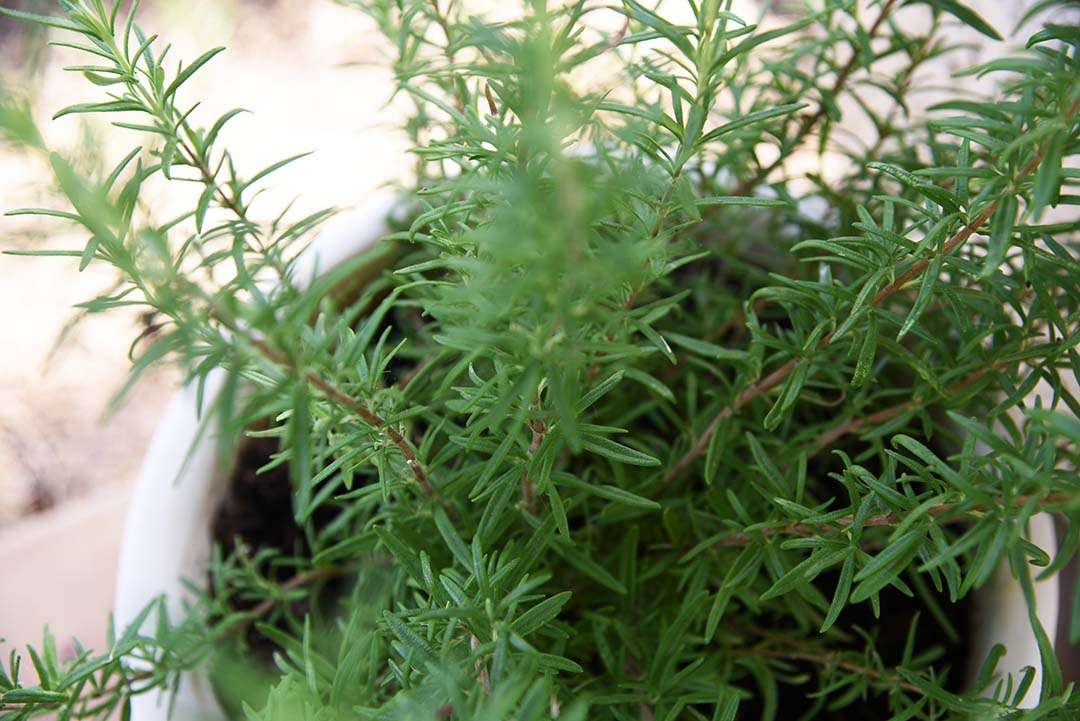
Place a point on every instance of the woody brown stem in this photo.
(738, 539)
(481, 669)
(832, 660)
(858, 423)
(528, 492)
(763, 386)
(357, 406)
(297, 581)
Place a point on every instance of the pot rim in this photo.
(166, 528)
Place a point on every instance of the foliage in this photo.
(640, 424)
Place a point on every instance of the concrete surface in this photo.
(59, 570)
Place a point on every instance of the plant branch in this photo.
(264, 607)
(299, 580)
(698, 448)
(739, 539)
(356, 405)
(832, 660)
(528, 492)
(809, 122)
(480, 666)
(858, 423)
(914, 271)
(444, 24)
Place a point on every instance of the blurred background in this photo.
(310, 72)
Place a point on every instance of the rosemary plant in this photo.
(640, 423)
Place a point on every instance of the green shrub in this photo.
(640, 424)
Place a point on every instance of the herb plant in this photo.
(639, 423)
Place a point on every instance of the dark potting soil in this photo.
(256, 512)
(898, 612)
(256, 509)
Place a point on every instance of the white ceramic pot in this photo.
(167, 529)
(167, 534)
(1001, 614)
